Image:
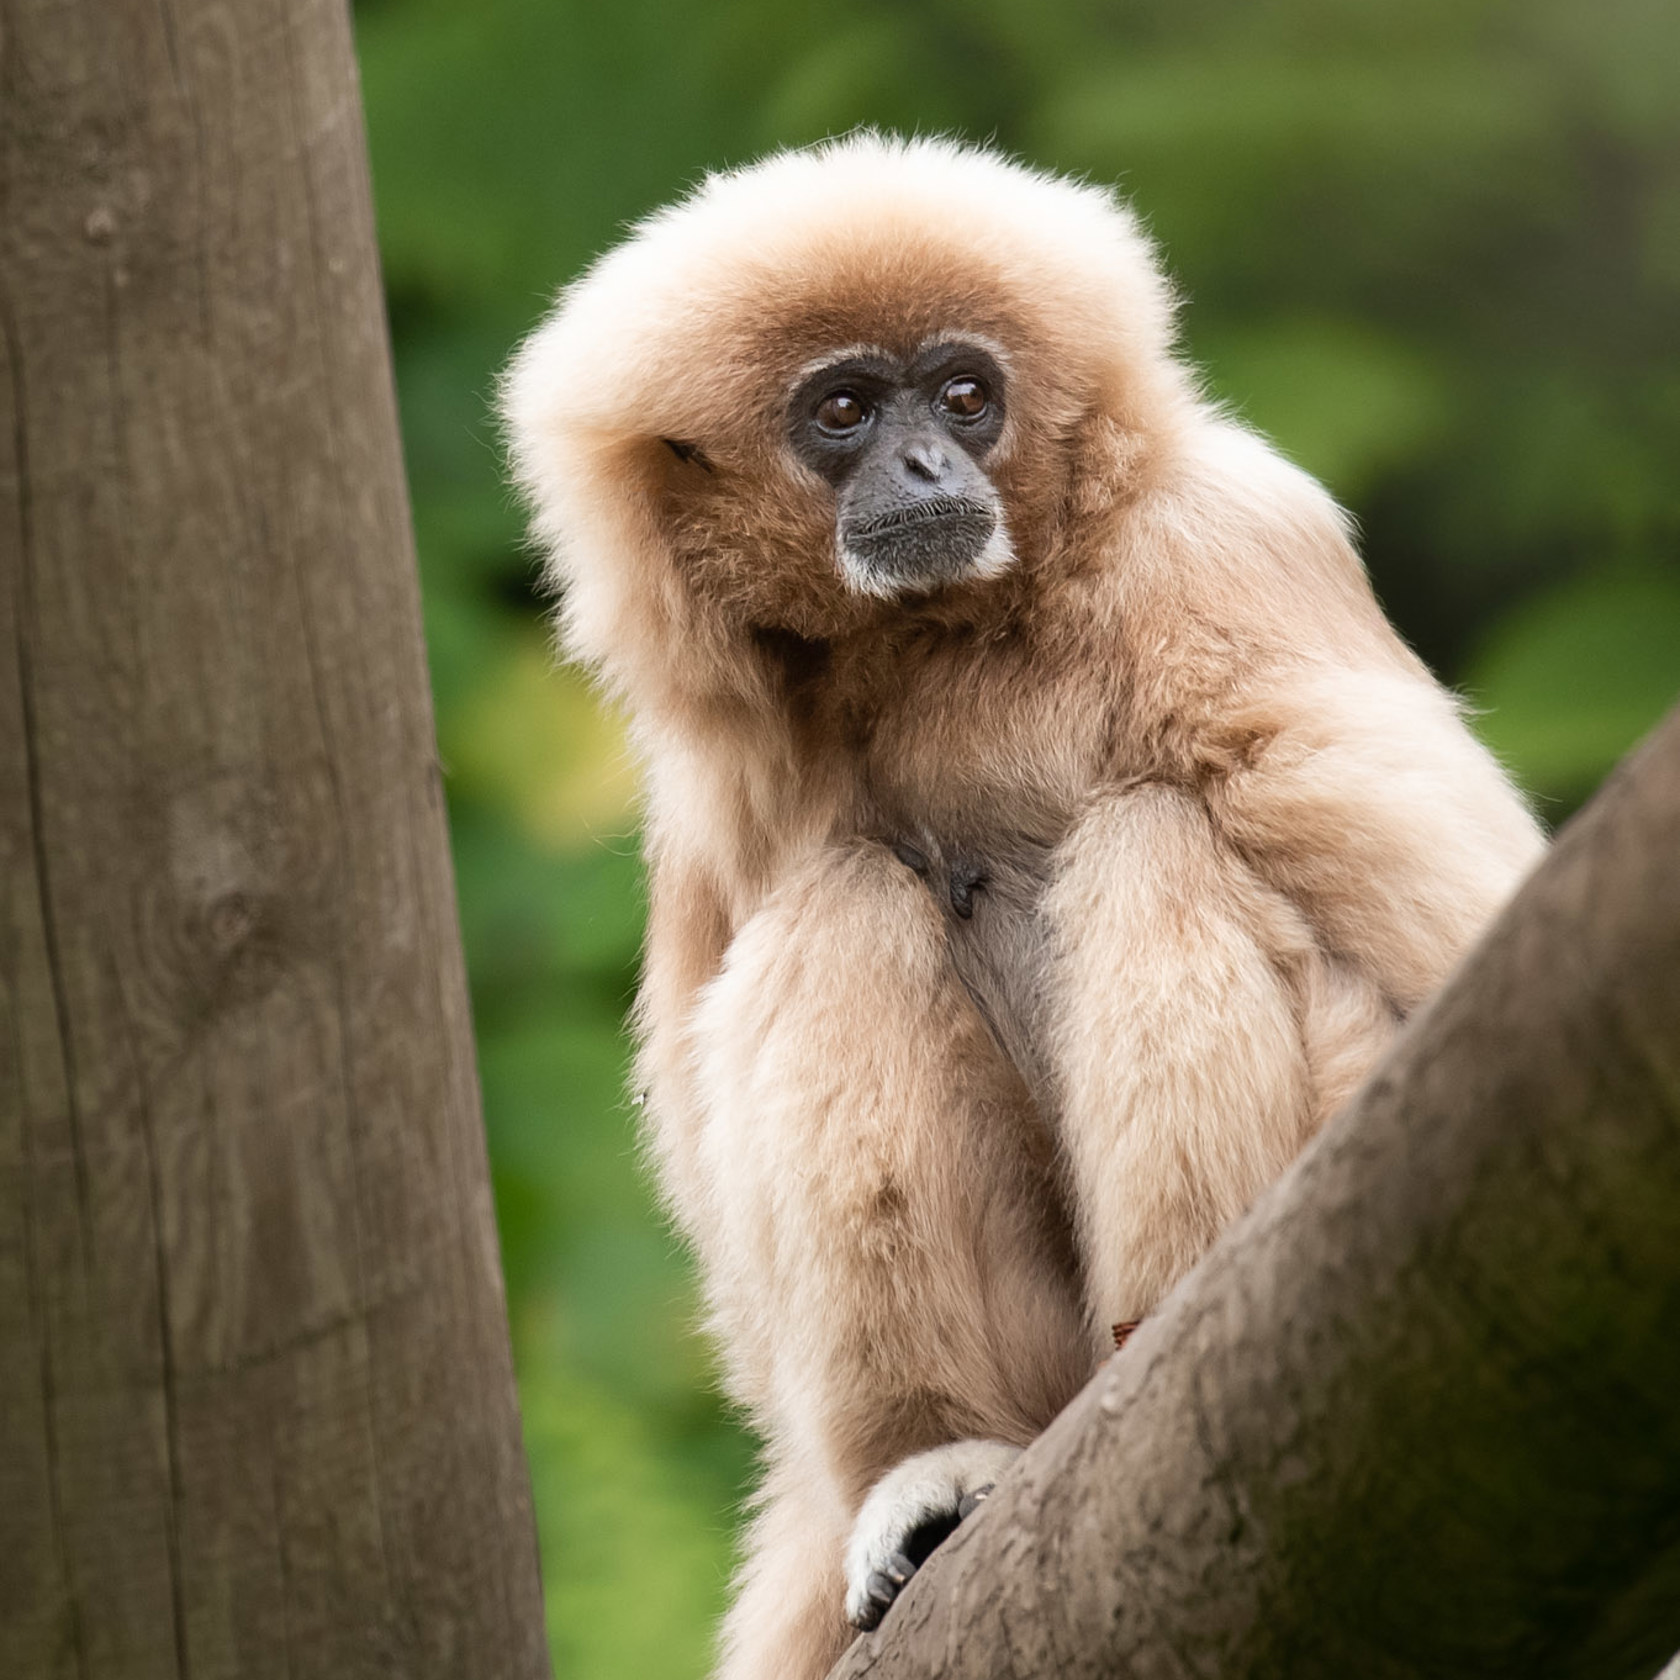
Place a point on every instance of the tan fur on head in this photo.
(1006, 937)
(668, 337)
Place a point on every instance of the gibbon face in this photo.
(852, 381)
(904, 445)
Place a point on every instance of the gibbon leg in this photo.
(885, 1251)
(1178, 1038)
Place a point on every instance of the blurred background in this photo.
(1429, 247)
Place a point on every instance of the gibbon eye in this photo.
(966, 398)
(842, 411)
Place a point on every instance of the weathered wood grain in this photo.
(256, 1406)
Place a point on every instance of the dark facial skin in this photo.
(903, 445)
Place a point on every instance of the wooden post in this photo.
(257, 1413)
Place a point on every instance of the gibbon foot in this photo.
(908, 1513)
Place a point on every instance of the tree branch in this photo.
(1417, 1413)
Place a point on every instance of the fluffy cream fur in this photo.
(1233, 830)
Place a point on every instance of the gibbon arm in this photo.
(874, 1215)
(1184, 1079)
(1230, 961)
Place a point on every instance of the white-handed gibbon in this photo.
(1047, 830)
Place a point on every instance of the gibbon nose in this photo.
(926, 460)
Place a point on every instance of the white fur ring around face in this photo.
(908, 1512)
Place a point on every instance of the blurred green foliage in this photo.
(1432, 248)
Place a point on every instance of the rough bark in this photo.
(1419, 1414)
(257, 1413)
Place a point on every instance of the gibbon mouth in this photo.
(935, 508)
(933, 542)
